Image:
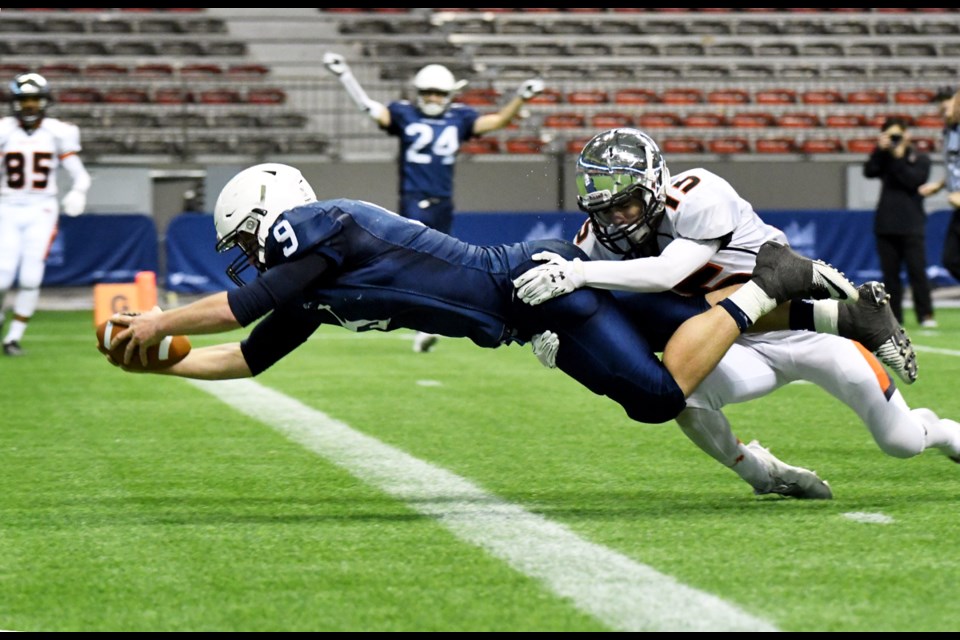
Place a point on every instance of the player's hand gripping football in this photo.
(141, 333)
(547, 281)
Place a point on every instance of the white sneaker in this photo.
(788, 480)
(929, 323)
(423, 342)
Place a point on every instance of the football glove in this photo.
(336, 63)
(530, 88)
(545, 347)
(547, 281)
(74, 203)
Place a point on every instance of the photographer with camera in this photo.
(900, 222)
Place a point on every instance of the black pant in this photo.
(951, 246)
(910, 251)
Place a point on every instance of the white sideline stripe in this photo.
(945, 352)
(868, 518)
(618, 591)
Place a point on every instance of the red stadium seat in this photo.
(682, 96)
(635, 96)
(861, 145)
(567, 120)
(729, 145)
(798, 120)
(657, 120)
(682, 145)
(775, 96)
(823, 145)
(914, 96)
(927, 145)
(751, 120)
(929, 121)
(588, 97)
(876, 121)
(728, 96)
(775, 145)
(153, 70)
(126, 95)
(844, 120)
(867, 97)
(106, 70)
(172, 95)
(526, 144)
(548, 96)
(266, 96)
(201, 70)
(575, 145)
(219, 96)
(78, 95)
(610, 120)
(479, 146)
(704, 120)
(479, 97)
(821, 96)
(60, 70)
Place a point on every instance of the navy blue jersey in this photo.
(428, 147)
(380, 271)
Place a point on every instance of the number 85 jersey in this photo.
(30, 160)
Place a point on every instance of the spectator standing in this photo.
(900, 222)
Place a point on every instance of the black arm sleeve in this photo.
(276, 287)
(277, 335)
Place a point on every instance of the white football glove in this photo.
(545, 347)
(547, 281)
(74, 203)
(530, 88)
(336, 63)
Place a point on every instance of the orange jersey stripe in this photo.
(883, 378)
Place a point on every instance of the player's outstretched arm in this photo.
(217, 362)
(337, 65)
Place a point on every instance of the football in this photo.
(170, 351)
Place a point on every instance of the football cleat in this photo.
(12, 349)
(783, 274)
(871, 323)
(787, 480)
(423, 342)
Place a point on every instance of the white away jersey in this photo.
(702, 206)
(30, 160)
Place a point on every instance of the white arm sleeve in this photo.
(372, 108)
(80, 179)
(678, 260)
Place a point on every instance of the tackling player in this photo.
(692, 233)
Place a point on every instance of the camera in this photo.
(896, 139)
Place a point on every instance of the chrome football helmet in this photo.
(435, 79)
(29, 86)
(249, 205)
(615, 169)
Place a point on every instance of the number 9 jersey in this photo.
(30, 160)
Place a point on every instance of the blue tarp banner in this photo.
(193, 265)
(91, 249)
(112, 248)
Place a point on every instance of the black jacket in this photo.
(900, 209)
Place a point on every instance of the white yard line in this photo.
(620, 592)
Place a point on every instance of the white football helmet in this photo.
(29, 86)
(249, 205)
(436, 78)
